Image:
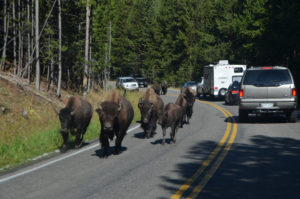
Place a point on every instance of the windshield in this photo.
(236, 78)
(267, 77)
(141, 79)
(189, 84)
(128, 80)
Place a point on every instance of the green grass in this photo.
(23, 139)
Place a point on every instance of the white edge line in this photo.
(57, 160)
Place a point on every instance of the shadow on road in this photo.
(261, 119)
(99, 152)
(268, 167)
(139, 135)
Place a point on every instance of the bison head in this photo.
(65, 117)
(189, 97)
(146, 108)
(108, 113)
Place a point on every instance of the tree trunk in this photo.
(37, 47)
(14, 38)
(28, 41)
(4, 36)
(109, 50)
(90, 64)
(86, 58)
(32, 39)
(59, 51)
(20, 38)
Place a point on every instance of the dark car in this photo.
(232, 93)
(142, 82)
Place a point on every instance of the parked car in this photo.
(142, 82)
(268, 90)
(127, 83)
(191, 84)
(232, 93)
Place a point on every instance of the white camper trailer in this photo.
(218, 77)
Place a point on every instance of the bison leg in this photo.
(189, 114)
(118, 142)
(78, 141)
(173, 133)
(65, 136)
(104, 144)
(148, 131)
(164, 134)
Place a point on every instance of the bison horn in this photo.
(120, 106)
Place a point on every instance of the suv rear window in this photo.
(267, 77)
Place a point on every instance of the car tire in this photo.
(243, 115)
(222, 92)
(292, 116)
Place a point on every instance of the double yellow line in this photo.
(214, 160)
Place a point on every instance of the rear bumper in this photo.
(258, 106)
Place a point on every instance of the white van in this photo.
(218, 77)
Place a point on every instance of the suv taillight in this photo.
(294, 92)
(241, 93)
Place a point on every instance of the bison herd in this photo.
(116, 114)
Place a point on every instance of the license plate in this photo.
(267, 105)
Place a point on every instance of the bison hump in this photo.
(114, 97)
(150, 95)
(74, 102)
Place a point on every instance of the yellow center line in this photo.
(218, 162)
(210, 158)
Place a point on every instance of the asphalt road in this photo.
(214, 157)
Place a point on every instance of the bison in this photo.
(156, 87)
(75, 117)
(186, 99)
(151, 107)
(164, 87)
(115, 115)
(172, 117)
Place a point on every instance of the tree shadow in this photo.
(266, 167)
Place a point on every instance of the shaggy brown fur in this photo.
(172, 118)
(164, 87)
(75, 117)
(151, 107)
(186, 99)
(156, 87)
(115, 115)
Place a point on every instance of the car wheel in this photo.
(292, 116)
(222, 92)
(243, 115)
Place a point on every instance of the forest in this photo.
(81, 44)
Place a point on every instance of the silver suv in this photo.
(268, 90)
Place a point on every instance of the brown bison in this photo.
(115, 115)
(156, 87)
(151, 107)
(164, 87)
(172, 117)
(75, 117)
(186, 99)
